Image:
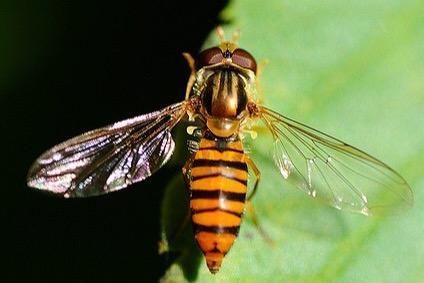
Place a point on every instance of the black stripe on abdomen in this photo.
(217, 194)
(219, 163)
(216, 229)
(222, 149)
(215, 209)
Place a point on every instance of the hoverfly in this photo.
(220, 95)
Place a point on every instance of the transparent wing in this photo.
(331, 170)
(109, 158)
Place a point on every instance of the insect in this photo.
(221, 96)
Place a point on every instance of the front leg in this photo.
(192, 78)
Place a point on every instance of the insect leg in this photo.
(261, 66)
(192, 77)
(257, 173)
(187, 171)
(249, 204)
(187, 179)
(179, 230)
(252, 215)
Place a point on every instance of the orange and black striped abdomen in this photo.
(218, 192)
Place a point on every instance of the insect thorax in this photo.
(224, 92)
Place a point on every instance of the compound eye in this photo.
(244, 59)
(208, 57)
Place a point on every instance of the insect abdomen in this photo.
(218, 191)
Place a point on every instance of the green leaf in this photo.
(353, 69)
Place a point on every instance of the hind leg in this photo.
(187, 180)
(253, 217)
(249, 204)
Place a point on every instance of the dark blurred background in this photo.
(65, 68)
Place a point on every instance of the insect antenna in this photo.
(221, 35)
